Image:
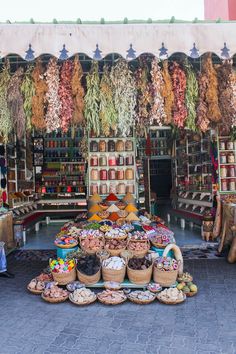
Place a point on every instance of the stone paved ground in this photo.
(204, 324)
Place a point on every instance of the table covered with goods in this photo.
(117, 253)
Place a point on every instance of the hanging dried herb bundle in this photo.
(15, 102)
(178, 78)
(52, 96)
(124, 89)
(213, 111)
(167, 93)
(65, 95)
(191, 96)
(38, 100)
(92, 99)
(77, 92)
(158, 114)
(107, 113)
(5, 117)
(28, 91)
(202, 119)
(228, 110)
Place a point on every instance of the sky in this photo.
(47, 10)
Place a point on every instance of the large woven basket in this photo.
(64, 278)
(89, 279)
(164, 278)
(113, 274)
(140, 277)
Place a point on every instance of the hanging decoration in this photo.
(124, 96)
(107, 113)
(77, 92)
(15, 102)
(52, 96)
(65, 95)
(167, 93)
(179, 87)
(191, 96)
(158, 114)
(28, 91)
(5, 117)
(92, 99)
(38, 100)
(202, 119)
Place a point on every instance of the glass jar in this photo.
(112, 174)
(232, 185)
(102, 146)
(130, 188)
(112, 160)
(93, 188)
(102, 160)
(129, 173)
(103, 175)
(120, 160)
(224, 186)
(121, 188)
(94, 160)
(223, 171)
(94, 174)
(93, 146)
(231, 171)
(103, 188)
(111, 146)
(129, 160)
(129, 145)
(223, 158)
(120, 174)
(120, 146)
(230, 145)
(222, 145)
(231, 158)
(112, 188)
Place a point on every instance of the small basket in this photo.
(83, 303)
(64, 278)
(92, 251)
(89, 279)
(164, 278)
(108, 302)
(71, 245)
(158, 245)
(139, 253)
(120, 238)
(171, 302)
(34, 291)
(115, 252)
(114, 274)
(141, 302)
(140, 277)
(55, 300)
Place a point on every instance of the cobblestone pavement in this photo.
(205, 323)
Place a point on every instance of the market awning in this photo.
(129, 40)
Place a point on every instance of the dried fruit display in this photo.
(158, 114)
(179, 88)
(38, 100)
(77, 92)
(28, 91)
(65, 95)
(167, 92)
(5, 117)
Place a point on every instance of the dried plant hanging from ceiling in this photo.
(178, 78)
(77, 92)
(38, 100)
(5, 117)
(191, 96)
(65, 95)
(28, 91)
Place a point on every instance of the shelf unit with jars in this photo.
(112, 165)
(227, 164)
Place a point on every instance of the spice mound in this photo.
(116, 263)
(112, 297)
(89, 265)
(139, 263)
(83, 295)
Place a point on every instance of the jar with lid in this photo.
(231, 158)
(120, 160)
(112, 188)
(112, 174)
(112, 160)
(120, 174)
(129, 145)
(93, 146)
(94, 174)
(222, 145)
(223, 158)
(121, 188)
(231, 171)
(129, 173)
(223, 171)
(102, 160)
(102, 146)
(94, 160)
(103, 175)
(232, 185)
(129, 160)
(93, 188)
(224, 186)
(111, 146)
(230, 145)
(120, 145)
(130, 188)
(103, 188)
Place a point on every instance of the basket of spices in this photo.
(82, 297)
(89, 269)
(37, 285)
(116, 233)
(112, 297)
(115, 246)
(138, 244)
(114, 269)
(161, 237)
(54, 294)
(139, 270)
(63, 271)
(141, 297)
(165, 271)
(92, 244)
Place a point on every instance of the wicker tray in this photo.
(105, 302)
(55, 300)
(191, 293)
(35, 292)
(82, 303)
(141, 302)
(171, 302)
(72, 245)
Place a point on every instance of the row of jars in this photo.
(111, 174)
(120, 188)
(227, 158)
(227, 171)
(228, 184)
(111, 145)
(112, 160)
(226, 145)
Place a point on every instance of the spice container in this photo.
(222, 145)
(223, 158)
(94, 160)
(128, 145)
(130, 188)
(232, 185)
(112, 160)
(112, 188)
(120, 145)
(103, 175)
(111, 146)
(93, 146)
(223, 171)
(112, 174)
(230, 145)
(103, 188)
(231, 158)
(94, 188)
(94, 174)
(224, 187)
(102, 146)
(231, 171)
(129, 160)
(120, 174)
(102, 160)
(129, 173)
(121, 188)
(120, 160)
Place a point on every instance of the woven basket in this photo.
(121, 238)
(158, 245)
(164, 278)
(34, 291)
(107, 302)
(55, 300)
(64, 278)
(113, 274)
(140, 277)
(83, 303)
(140, 253)
(89, 279)
(114, 252)
(72, 245)
(171, 302)
(92, 251)
(141, 302)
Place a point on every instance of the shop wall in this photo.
(213, 9)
